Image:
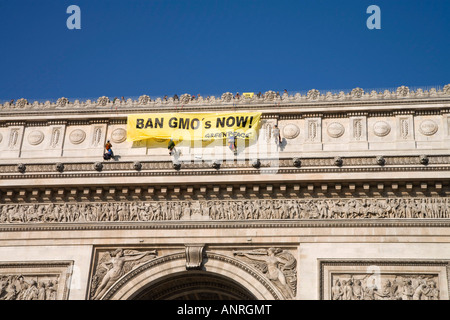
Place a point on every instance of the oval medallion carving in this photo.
(119, 135)
(77, 136)
(428, 127)
(291, 131)
(335, 130)
(381, 128)
(35, 137)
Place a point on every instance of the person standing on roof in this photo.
(108, 154)
(276, 136)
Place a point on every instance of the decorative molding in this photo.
(21, 167)
(13, 138)
(59, 167)
(62, 102)
(192, 225)
(194, 256)
(381, 128)
(312, 130)
(325, 168)
(119, 135)
(291, 131)
(77, 136)
(381, 160)
(424, 159)
(21, 103)
(96, 137)
(103, 101)
(35, 137)
(357, 129)
(404, 128)
(137, 166)
(428, 127)
(56, 135)
(335, 129)
(144, 100)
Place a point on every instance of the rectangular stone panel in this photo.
(35, 280)
(384, 280)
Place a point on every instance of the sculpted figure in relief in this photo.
(112, 267)
(277, 264)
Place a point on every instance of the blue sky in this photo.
(158, 47)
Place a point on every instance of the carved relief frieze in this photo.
(277, 264)
(384, 280)
(393, 287)
(35, 280)
(274, 209)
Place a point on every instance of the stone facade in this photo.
(353, 204)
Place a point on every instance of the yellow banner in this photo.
(193, 126)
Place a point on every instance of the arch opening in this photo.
(193, 285)
(219, 272)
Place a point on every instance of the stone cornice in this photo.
(259, 224)
(270, 100)
(284, 112)
(35, 264)
(307, 164)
